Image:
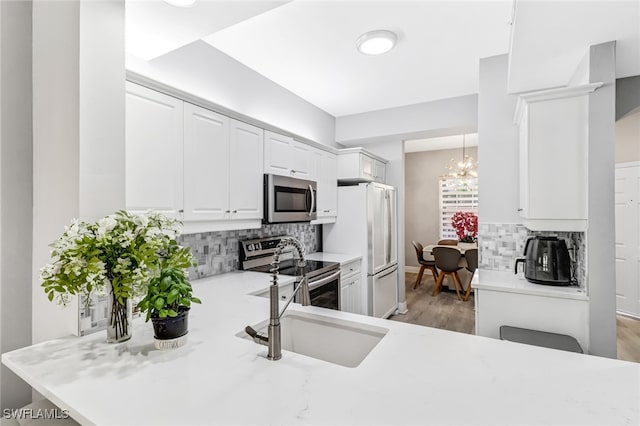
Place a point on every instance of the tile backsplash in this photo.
(217, 252)
(501, 244)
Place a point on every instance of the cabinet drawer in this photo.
(349, 269)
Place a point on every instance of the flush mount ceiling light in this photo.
(181, 3)
(376, 42)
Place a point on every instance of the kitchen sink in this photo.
(338, 341)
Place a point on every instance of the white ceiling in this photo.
(308, 46)
(550, 39)
(154, 28)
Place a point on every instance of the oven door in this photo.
(289, 199)
(325, 290)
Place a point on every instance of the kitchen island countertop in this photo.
(408, 378)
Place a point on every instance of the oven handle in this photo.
(313, 200)
(323, 281)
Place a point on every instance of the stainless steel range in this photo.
(324, 277)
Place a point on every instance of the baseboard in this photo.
(628, 315)
(412, 269)
(402, 308)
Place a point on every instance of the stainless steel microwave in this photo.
(289, 199)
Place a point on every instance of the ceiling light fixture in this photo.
(462, 173)
(181, 3)
(376, 42)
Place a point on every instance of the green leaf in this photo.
(50, 296)
(172, 313)
(159, 303)
(195, 300)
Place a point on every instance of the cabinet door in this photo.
(330, 183)
(206, 171)
(153, 151)
(379, 171)
(345, 296)
(557, 158)
(317, 171)
(302, 161)
(356, 296)
(524, 168)
(246, 173)
(367, 167)
(278, 154)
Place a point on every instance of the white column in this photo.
(78, 131)
(15, 192)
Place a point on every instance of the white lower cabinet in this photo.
(559, 315)
(351, 297)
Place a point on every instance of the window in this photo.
(456, 195)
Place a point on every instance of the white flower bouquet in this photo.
(117, 255)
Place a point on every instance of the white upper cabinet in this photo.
(206, 174)
(153, 153)
(285, 156)
(325, 171)
(553, 158)
(192, 163)
(359, 165)
(223, 167)
(246, 171)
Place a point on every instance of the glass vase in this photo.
(120, 317)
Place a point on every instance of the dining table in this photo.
(462, 248)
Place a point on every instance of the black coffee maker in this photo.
(546, 261)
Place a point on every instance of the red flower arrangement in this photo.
(466, 226)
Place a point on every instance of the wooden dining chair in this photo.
(447, 260)
(472, 264)
(424, 264)
(448, 242)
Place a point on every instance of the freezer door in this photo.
(383, 293)
(381, 212)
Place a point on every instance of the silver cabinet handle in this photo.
(227, 211)
(181, 211)
(520, 209)
(235, 211)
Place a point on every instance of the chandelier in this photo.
(464, 172)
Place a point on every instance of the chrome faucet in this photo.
(273, 338)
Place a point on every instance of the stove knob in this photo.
(249, 247)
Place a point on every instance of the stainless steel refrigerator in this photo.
(367, 225)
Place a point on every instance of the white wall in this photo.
(628, 138)
(15, 192)
(498, 152)
(78, 115)
(220, 79)
(453, 116)
(601, 283)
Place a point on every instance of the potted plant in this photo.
(167, 303)
(466, 227)
(116, 256)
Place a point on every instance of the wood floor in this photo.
(445, 311)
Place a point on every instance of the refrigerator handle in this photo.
(386, 195)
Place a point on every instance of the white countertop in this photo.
(486, 279)
(333, 257)
(415, 375)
